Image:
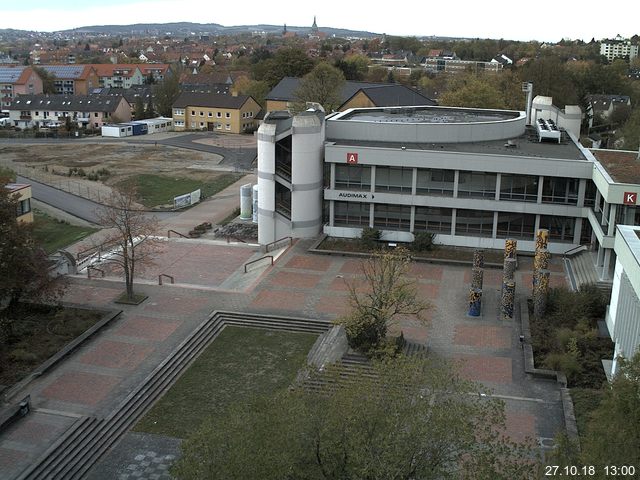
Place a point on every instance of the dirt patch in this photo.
(121, 161)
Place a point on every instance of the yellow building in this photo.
(23, 210)
(215, 112)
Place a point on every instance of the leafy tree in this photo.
(406, 419)
(138, 111)
(24, 267)
(369, 237)
(322, 85)
(166, 92)
(150, 111)
(471, 90)
(630, 131)
(256, 89)
(387, 293)
(287, 62)
(130, 232)
(354, 67)
(48, 80)
(612, 436)
(551, 78)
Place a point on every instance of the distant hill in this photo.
(188, 28)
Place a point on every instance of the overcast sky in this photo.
(516, 20)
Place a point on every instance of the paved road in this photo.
(77, 206)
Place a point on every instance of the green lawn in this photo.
(53, 234)
(240, 363)
(159, 190)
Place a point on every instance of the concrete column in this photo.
(498, 182)
(577, 230)
(613, 208)
(600, 256)
(605, 213)
(414, 181)
(494, 230)
(456, 179)
(371, 213)
(606, 264)
(536, 225)
(332, 212)
(453, 220)
(582, 189)
(373, 179)
(540, 186)
(332, 184)
(412, 221)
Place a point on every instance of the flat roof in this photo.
(427, 114)
(14, 187)
(623, 166)
(518, 147)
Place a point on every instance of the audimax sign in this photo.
(364, 196)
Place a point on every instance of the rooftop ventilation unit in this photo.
(547, 129)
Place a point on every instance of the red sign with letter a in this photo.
(630, 198)
(352, 158)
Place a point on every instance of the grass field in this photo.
(240, 363)
(159, 190)
(53, 234)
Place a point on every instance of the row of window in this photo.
(440, 182)
(475, 223)
(217, 126)
(179, 112)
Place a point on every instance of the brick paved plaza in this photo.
(94, 379)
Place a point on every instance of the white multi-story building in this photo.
(623, 314)
(618, 48)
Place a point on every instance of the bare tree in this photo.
(131, 233)
(385, 294)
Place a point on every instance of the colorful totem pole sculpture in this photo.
(508, 279)
(477, 276)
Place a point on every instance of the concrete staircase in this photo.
(82, 445)
(582, 271)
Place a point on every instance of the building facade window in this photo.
(435, 182)
(218, 115)
(590, 194)
(351, 214)
(392, 217)
(353, 177)
(561, 229)
(227, 126)
(560, 190)
(474, 223)
(23, 207)
(477, 184)
(179, 112)
(433, 219)
(394, 179)
(521, 188)
(227, 115)
(193, 113)
(515, 225)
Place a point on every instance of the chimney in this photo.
(234, 93)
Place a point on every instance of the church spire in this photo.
(314, 27)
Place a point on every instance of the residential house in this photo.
(215, 112)
(17, 80)
(85, 111)
(73, 79)
(23, 210)
(157, 71)
(618, 48)
(119, 75)
(353, 94)
(601, 107)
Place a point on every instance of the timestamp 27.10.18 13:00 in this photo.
(619, 471)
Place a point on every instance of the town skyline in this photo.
(496, 19)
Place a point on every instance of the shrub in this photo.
(370, 237)
(422, 241)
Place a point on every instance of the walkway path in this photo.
(101, 373)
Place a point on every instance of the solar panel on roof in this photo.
(10, 75)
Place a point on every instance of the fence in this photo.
(86, 189)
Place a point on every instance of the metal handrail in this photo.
(238, 239)
(257, 260)
(266, 247)
(169, 234)
(170, 277)
(96, 269)
(574, 249)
